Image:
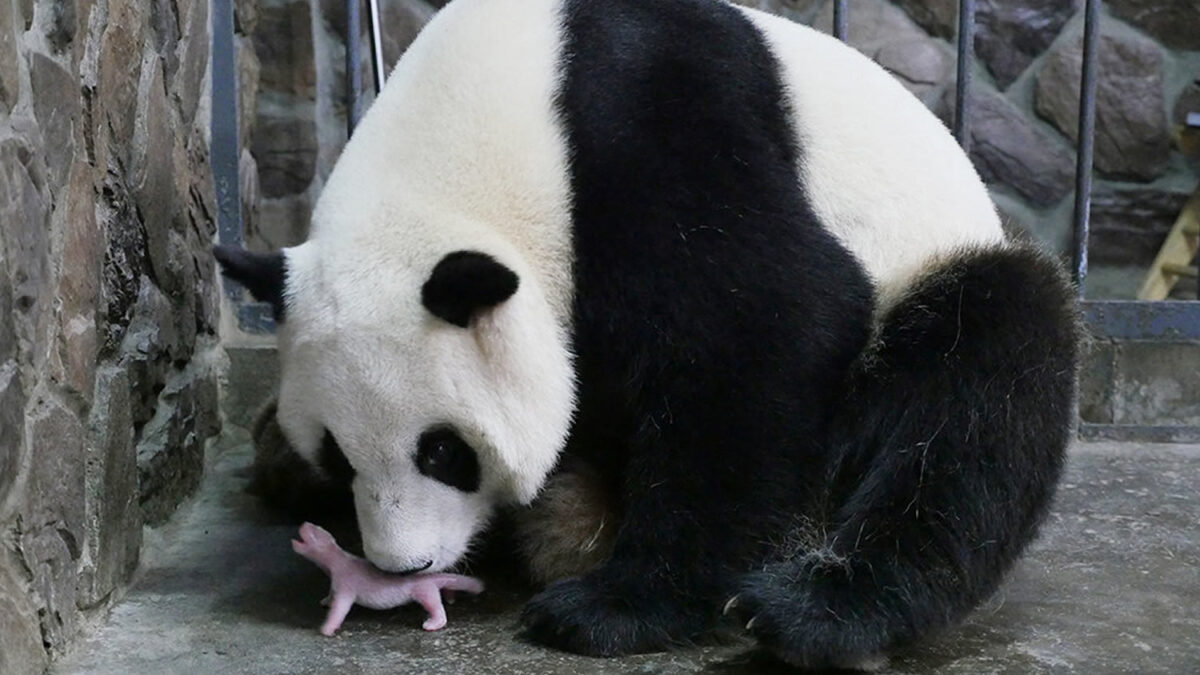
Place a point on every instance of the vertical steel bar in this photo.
(223, 148)
(353, 66)
(373, 24)
(966, 55)
(1087, 137)
(839, 19)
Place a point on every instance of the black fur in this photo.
(445, 457)
(465, 282)
(263, 274)
(333, 461)
(291, 485)
(714, 316)
(950, 441)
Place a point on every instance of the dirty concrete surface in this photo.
(1112, 586)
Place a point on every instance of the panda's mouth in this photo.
(414, 570)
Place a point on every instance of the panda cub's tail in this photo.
(947, 451)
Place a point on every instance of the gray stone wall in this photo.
(292, 68)
(1024, 120)
(107, 300)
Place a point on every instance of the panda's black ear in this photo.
(465, 282)
(263, 274)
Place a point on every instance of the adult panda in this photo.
(721, 260)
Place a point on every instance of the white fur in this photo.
(881, 171)
(457, 153)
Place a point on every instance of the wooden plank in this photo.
(1177, 251)
(1181, 270)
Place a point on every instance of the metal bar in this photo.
(966, 55)
(224, 154)
(353, 67)
(376, 44)
(1136, 320)
(840, 17)
(1087, 138)
(223, 149)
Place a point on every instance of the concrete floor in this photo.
(1113, 586)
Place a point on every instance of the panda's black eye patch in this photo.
(446, 458)
(333, 461)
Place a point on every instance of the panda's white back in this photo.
(882, 173)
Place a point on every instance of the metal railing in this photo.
(1106, 319)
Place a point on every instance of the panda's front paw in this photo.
(586, 616)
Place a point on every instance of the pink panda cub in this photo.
(353, 580)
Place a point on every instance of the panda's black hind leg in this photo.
(954, 432)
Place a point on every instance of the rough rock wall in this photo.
(107, 299)
(1024, 120)
(292, 78)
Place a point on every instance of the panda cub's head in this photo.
(435, 377)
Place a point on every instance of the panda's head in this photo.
(436, 378)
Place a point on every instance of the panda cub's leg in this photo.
(951, 441)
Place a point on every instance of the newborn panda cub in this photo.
(567, 531)
(353, 580)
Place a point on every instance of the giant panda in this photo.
(722, 261)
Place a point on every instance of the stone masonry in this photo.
(108, 303)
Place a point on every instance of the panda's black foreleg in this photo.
(953, 438)
(697, 494)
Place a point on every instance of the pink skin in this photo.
(353, 580)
